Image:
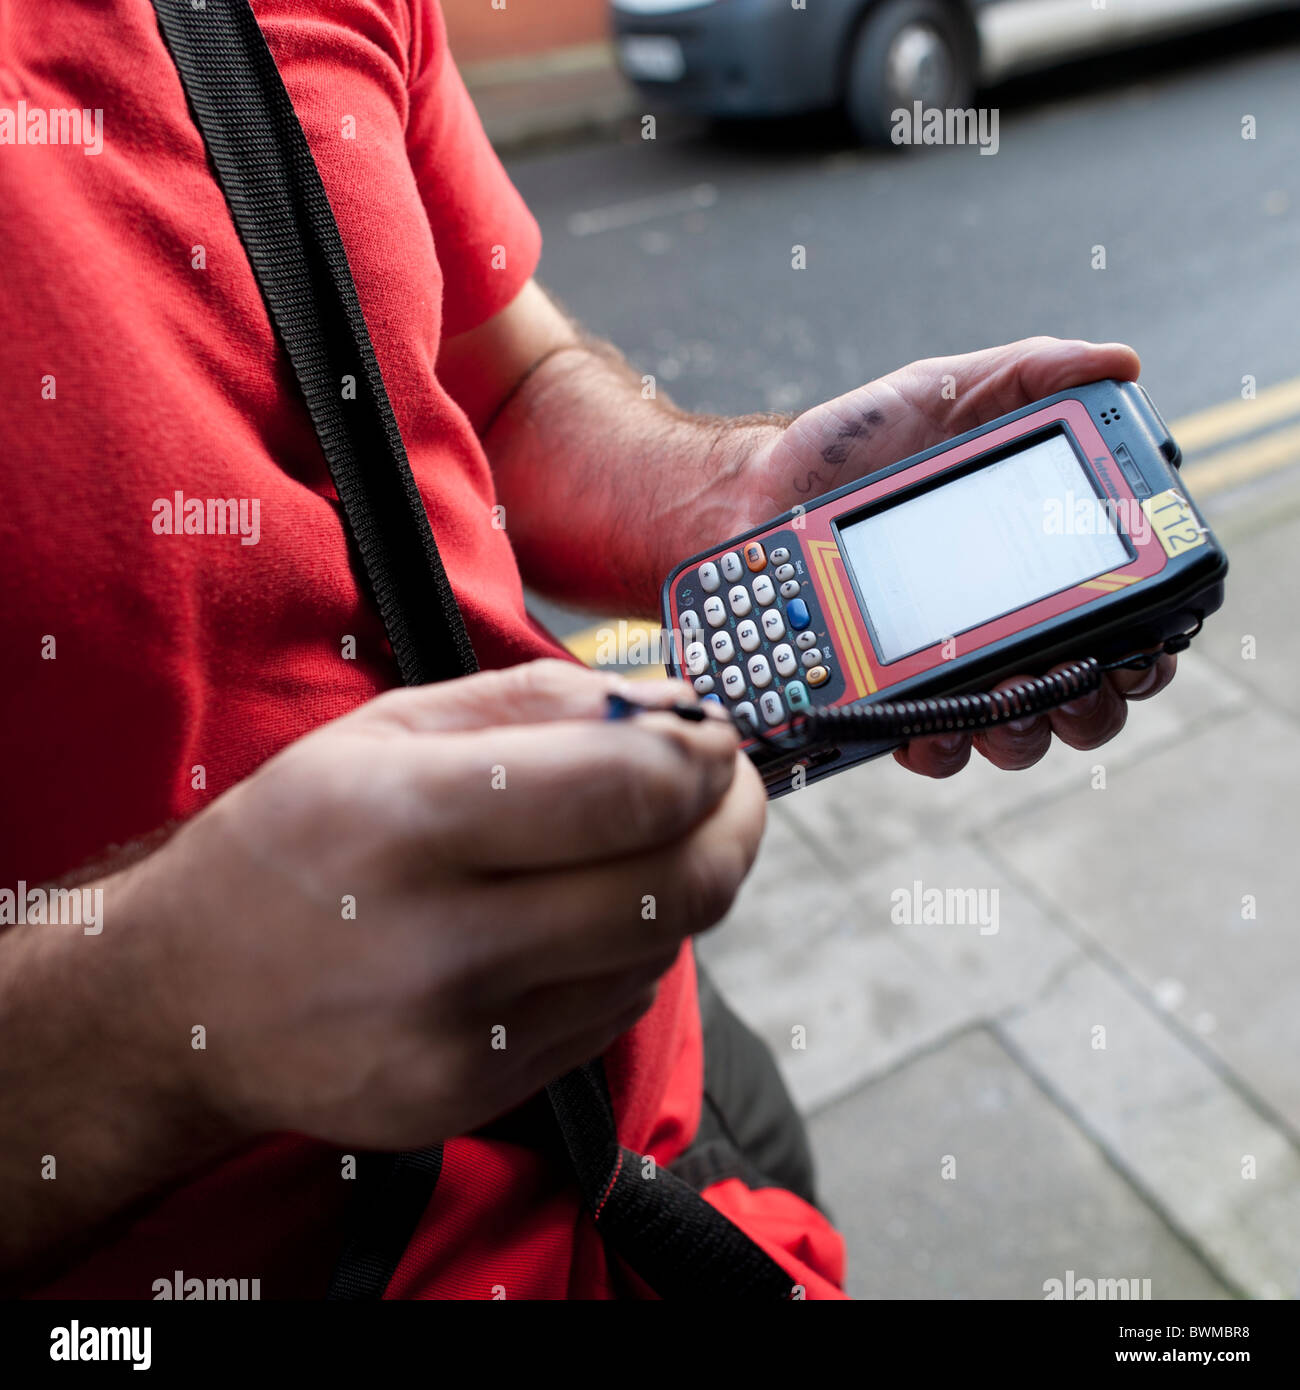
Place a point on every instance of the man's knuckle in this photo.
(708, 886)
(653, 795)
(550, 677)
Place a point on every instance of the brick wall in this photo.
(479, 33)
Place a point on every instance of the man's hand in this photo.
(903, 413)
(912, 409)
(501, 841)
(400, 927)
(607, 490)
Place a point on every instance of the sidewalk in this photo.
(1108, 1083)
(563, 95)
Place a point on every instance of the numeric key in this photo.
(722, 646)
(738, 598)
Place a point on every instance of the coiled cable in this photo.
(900, 720)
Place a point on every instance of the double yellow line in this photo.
(1223, 447)
(1243, 458)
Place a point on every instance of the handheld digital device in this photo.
(1059, 532)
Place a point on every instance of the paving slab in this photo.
(1188, 884)
(1255, 637)
(1030, 1196)
(1222, 1174)
(846, 994)
(792, 892)
(874, 810)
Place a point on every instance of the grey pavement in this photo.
(1108, 1083)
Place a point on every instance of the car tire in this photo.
(906, 51)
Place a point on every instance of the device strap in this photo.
(673, 1239)
(280, 210)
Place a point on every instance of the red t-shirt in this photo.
(137, 363)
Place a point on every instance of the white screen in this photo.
(980, 546)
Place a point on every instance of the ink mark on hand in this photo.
(836, 453)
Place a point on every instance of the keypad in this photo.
(756, 639)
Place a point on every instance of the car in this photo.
(740, 58)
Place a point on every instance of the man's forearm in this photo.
(92, 1120)
(605, 486)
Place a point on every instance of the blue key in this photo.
(711, 699)
(796, 614)
(796, 696)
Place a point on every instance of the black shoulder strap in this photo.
(679, 1244)
(668, 1234)
(283, 217)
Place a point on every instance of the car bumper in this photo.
(737, 57)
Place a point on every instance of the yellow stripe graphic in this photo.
(824, 555)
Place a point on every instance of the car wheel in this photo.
(907, 51)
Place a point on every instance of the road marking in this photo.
(629, 214)
(585, 645)
(1231, 467)
(1220, 422)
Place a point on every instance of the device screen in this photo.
(987, 543)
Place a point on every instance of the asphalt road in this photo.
(679, 249)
